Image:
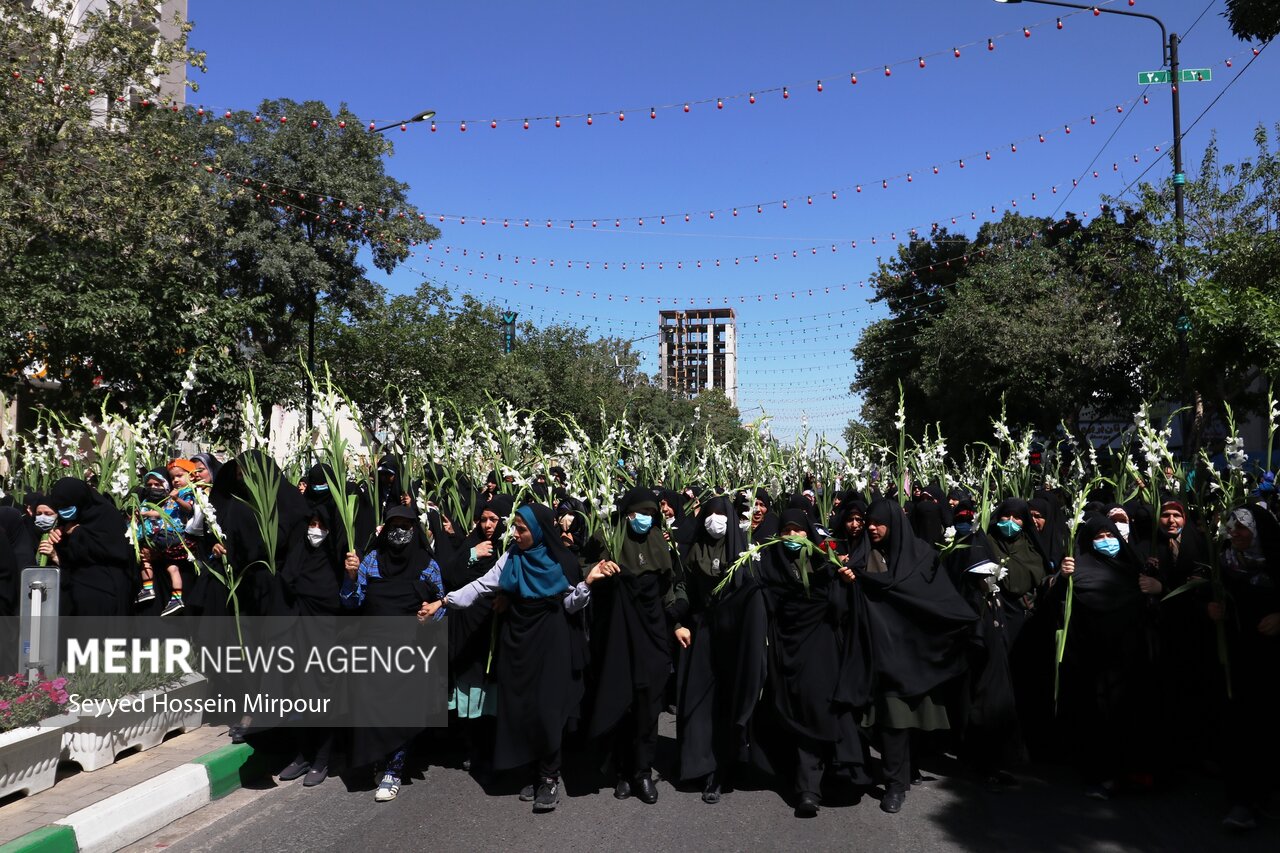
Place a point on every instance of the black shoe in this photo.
(917, 778)
(711, 789)
(622, 790)
(315, 777)
(529, 792)
(807, 806)
(298, 767)
(892, 801)
(145, 595)
(237, 733)
(1240, 819)
(548, 795)
(646, 792)
(174, 607)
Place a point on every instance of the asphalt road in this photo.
(445, 809)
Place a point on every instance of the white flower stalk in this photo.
(1234, 452)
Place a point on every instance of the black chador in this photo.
(632, 650)
(800, 723)
(722, 670)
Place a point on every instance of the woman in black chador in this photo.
(541, 652)
(722, 635)
(918, 626)
(306, 614)
(90, 548)
(631, 648)
(984, 713)
(472, 696)
(1106, 667)
(801, 723)
(1250, 744)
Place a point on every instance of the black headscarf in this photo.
(704, 549)
(768, 526)
(1102, 583)
(647, 553)
(460, 571)
(1023, 555)
(17, 552)
(417, 555)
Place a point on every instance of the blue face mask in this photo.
(792, 544)
(1108, 547)
(69, 513)
(641, 523)
(1009, 528)
(964, 528)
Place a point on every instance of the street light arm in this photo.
(422, 116)
(1164, 35)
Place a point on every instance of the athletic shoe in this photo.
(174, 606)
(548, 795)
(388, 788)
(145, 595)
(1240, 819)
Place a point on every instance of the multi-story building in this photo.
(698, 350)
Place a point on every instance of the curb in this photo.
(123, 818)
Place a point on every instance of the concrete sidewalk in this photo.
(77, 789)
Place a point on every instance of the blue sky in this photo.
(389, 59)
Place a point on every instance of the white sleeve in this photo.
(482, 587)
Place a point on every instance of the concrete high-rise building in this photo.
(698, 350)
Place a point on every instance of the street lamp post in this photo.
(311, 317)
(1169, 55)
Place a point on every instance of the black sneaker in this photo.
(174, 607)
(548, 795)
(145, 595)
(528, 792)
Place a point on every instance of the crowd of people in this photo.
(785, 643)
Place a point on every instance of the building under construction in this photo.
(697, 350)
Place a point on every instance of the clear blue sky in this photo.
(388, 59)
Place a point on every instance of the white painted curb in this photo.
(123, 818)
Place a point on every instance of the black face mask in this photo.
(155, 494)
(399, 537)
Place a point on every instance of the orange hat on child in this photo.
(185, 464)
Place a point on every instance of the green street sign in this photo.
(1185, 75)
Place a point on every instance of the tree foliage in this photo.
(140, 235)
(1253, 20)
(1056, 318)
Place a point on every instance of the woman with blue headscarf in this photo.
(541, 651)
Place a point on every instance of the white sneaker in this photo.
(388, 788)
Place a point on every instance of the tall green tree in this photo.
(1213, 322)
(139, 235)
(1026, 317)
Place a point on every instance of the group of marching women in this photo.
(788, 643)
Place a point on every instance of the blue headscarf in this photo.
(534, 573)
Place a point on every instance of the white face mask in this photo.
(1124, 530)
(45, 522)
(716, 525)
(316, 535)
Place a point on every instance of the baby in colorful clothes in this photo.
(169, 503)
